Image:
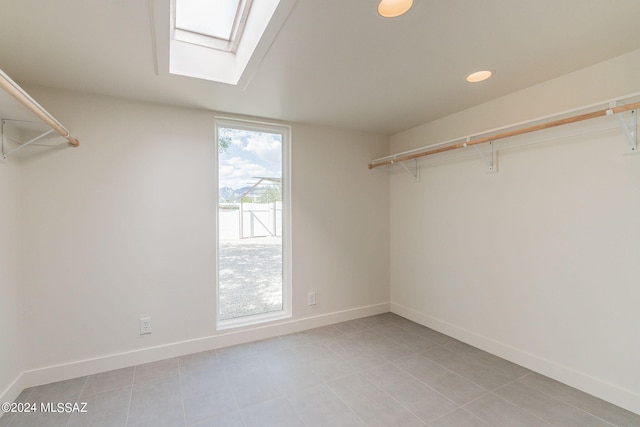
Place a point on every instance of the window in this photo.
(219, 40)
(253, 283)
(216, 24)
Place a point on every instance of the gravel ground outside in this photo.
(250, 277)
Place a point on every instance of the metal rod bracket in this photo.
(490, 161)
(629, 126)
(414, 173)
(21, 146)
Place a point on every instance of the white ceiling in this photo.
(335, 62)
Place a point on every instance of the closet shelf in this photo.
(19, 94)
(471, 141)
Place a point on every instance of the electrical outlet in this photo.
(311, 298)
(145, 325)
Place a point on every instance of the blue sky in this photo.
(250, 154)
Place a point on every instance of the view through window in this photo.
(251, 278)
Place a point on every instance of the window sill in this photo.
(251, 320)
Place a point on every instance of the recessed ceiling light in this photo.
(479, 76)
(393, 8)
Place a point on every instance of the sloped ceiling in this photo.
(334, 62)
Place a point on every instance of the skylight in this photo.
(215, 24)
(219, 40)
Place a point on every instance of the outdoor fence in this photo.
(249, 220)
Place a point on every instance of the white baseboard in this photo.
(612, 393)
(109, 362)
(12, 391)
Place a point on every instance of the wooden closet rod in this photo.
(547, 125)
(23, 98)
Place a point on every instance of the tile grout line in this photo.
(392, 362)
(470, 380)
(521, 408)
(228, 384)
(452, 372)
(358, 370)
(13, 416)
(242, 409)
(345, 403)
(84, 384)
(426, 385)
(397, 401)
(488, 391)
(460, 408)
(286, 398)
(564, 401)
(361, 373)
(126, 419)
(184, 411)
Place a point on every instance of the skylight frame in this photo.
(208, 41)
(264, 21)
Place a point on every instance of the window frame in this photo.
(286, 312)
(193, 37)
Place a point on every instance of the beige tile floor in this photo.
(377, 371)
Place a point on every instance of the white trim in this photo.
(206, 40)
(263, 24)
(78, 368)
(580, 380)
(202, 40)
(14, 389)
(257, 319)
(287, 286)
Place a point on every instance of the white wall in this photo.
(537, 263)
(124, 227)
(11, 296)
(341, 219)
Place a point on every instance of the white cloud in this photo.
(266, 146)
(250, 154)
(237, 172)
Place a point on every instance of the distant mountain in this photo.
(241, 191)
(228, 194)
